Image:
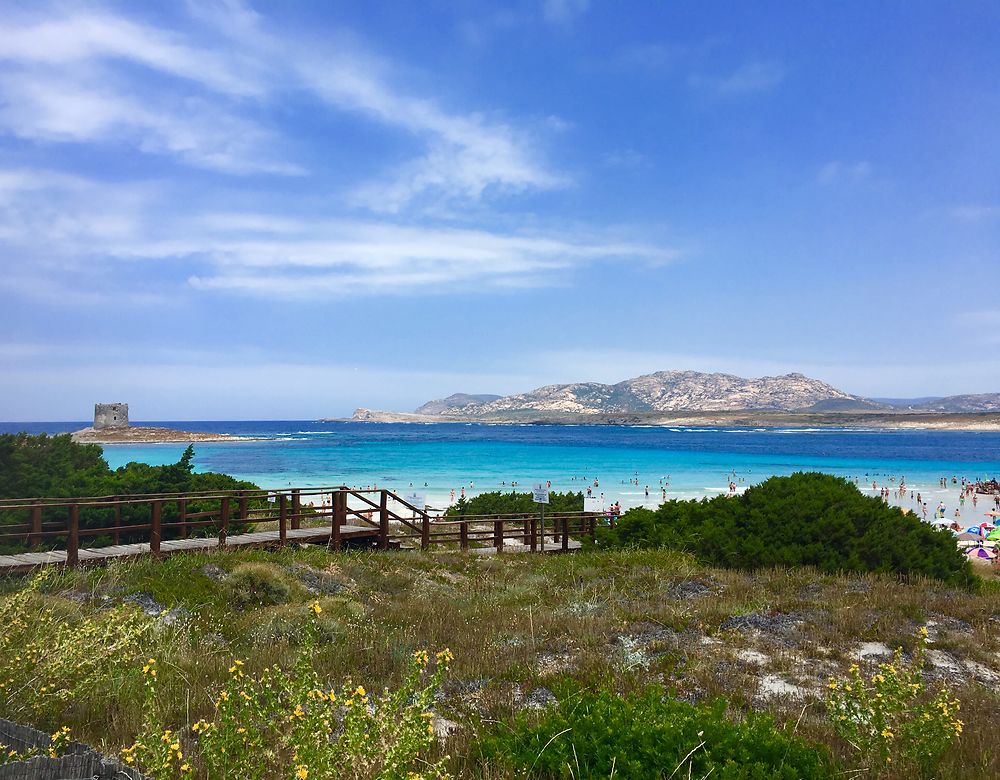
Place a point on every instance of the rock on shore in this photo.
(141, 435)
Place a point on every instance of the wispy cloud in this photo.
(563, 12)
(83, 79)
(749, 78)
(90, 225)
(836, 171)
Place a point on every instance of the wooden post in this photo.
(155, 527)
(223, 521)
(73, 538)
(425, 532)
(36, 526)
(118, 523)
(593, 528)
(565, 534)
(534, 535)
(182, 508)
(283, 517)
(463, 535)
(383, 521)
(555, 528)
(527, 532)
(296, 509)
(498, 534)
(340, 509)
(335, 542)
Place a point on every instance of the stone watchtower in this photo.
(110, 416)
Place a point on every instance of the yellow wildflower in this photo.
(316, 608)
(302, 772)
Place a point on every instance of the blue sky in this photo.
(287, 210)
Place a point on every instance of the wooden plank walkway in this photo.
(550, 547)
(26, 561)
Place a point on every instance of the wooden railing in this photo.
(69, 523)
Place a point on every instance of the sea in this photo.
(617, 463)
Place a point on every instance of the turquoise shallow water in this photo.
(696, 462)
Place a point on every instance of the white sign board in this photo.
(593, 504)
(540, 493)
(419, 500)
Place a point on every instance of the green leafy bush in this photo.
(649, 735)
(58, 467)
(513, 502)
(806, 519)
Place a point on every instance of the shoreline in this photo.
(985, 421)
(147, 435)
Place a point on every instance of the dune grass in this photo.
(614, 621)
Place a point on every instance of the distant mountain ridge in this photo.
(664, 391)
(978, 402)
(455, 401)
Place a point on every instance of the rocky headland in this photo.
(687, 398)
(136, 434)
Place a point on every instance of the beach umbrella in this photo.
(981, 553)
(940, 522)
(994, 535)
(967, 537)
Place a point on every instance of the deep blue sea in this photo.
(684, 462)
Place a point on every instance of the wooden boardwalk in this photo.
(31, 560)
(550, 547)
(344, 517)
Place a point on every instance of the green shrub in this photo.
(257, 584)
(805, 519)
(512, 502)
(58, 467)
(648, 735)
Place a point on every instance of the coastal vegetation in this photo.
(512, 502)
(623, 647)
(58, 467)
(806, 519)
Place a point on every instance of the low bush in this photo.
(257, 584)
(892, 719)
(806, 519)
(513, 502)
(50, 664)
(649, 735)
(288, 723)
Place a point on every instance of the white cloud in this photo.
(61, 107)
(84, 79)
(88, 36)
(750, 78)
(89, 225)
(838, 171)
(563, 12)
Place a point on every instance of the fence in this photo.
(378, 516)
